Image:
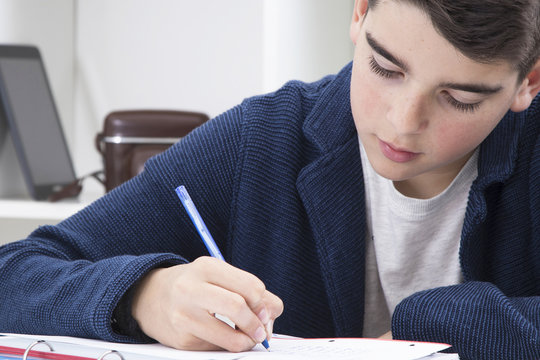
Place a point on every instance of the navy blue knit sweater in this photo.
(279, 181)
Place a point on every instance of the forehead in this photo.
(407, 32)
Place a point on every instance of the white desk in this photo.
(19, 217)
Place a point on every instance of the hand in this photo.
(176, 306)
(387, 336)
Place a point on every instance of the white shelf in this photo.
(28, 209)
(19, 217)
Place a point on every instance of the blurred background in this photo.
(205, 56)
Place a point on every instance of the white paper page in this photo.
(440, 356)
(280, 348)
(348, 349)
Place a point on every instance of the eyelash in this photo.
(379, 70)
(460, 105)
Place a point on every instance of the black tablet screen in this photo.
(33, 114)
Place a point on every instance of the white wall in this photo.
(207, 56)
(305, 39)
(177, 54)
(197, 55)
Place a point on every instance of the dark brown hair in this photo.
(488, 31)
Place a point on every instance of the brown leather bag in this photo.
(129, 138)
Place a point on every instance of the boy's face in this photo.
(420, 106)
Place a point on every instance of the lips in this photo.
(395, 154)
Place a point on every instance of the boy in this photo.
(400, 194)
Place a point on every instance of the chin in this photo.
(393, 172)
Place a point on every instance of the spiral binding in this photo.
(38, 342)
(105, 354)
(27, 351)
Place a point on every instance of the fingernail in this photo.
(263, 316)
(260, 334)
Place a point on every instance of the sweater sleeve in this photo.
(67, 279)
(476, 318)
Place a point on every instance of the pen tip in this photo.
(266, 345)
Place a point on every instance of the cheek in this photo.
(455, 139)
(452, 141)
(366, 103)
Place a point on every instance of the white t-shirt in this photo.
(412, 244)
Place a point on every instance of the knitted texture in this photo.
(278, 180)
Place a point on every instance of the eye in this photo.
(379, 70)
(461, 106)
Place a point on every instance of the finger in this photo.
(176, 331)
(269, 327)
(238, 281)
(263, 304)
(192, 343)
(273, 304)
(235, 307)
(214, 331)
(204, 332)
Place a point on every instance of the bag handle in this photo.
(74, 188)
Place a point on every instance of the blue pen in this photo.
(208, 240)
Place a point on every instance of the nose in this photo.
(407, 113)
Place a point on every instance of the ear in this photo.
(528, 90)
(360, 10)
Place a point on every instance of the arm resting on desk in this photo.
(477, 317)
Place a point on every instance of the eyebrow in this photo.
(473, 88)
(378, 48)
